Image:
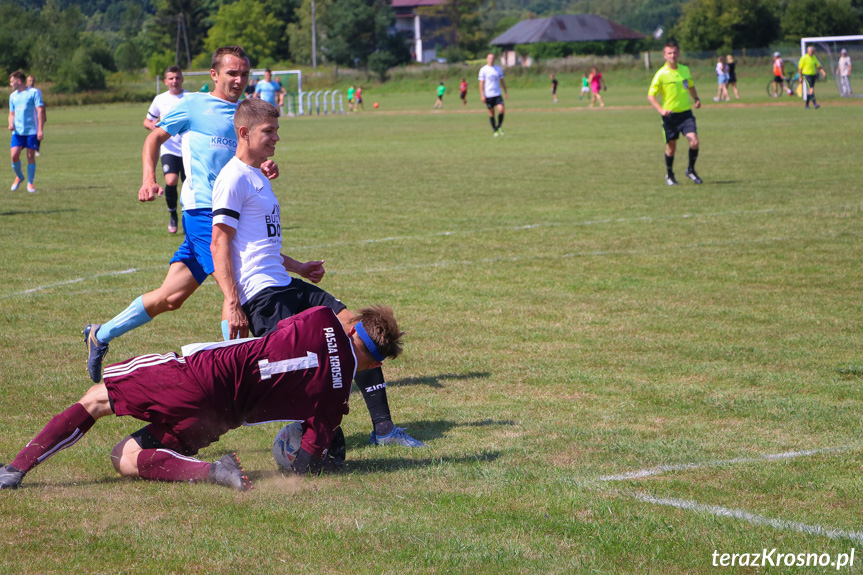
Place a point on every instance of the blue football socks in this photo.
(133, 316)
(31, 172)
(16, 166)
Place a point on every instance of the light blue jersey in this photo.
(209, 142)
(267, 91)
(24, 105)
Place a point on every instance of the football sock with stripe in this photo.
(16, 167)
(669, 164)
(133, 316)
(61, 432)
(374, 389)
(693, 155)
(171, 197)
(167, 465)
(31, 173)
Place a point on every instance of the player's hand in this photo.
(39, 135)
(506, 95)
(270, 169)
(665, 113)
(312, 271)
(238, 323)
(698, 103)
(148, 192)
(11, 128)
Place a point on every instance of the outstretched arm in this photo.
(312, 270)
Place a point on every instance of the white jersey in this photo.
(162, 104)
(244, 200)
(491, 75)
(845, 65)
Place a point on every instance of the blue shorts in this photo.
(194, 252)
(30, 142)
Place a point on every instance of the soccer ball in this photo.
(287, 444)
(376, 104)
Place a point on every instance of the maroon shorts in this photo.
(183, 415)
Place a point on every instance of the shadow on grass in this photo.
(387, 464)
(424, 430)
(437, 380)
(35, 212)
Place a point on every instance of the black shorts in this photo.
(272, 305)
(462, 95)
(778, 79)
(732, 78)
(172, 164)
(810, 80)
(492, 101)
(679, 123)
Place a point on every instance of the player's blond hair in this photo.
(253, 111)
(382, 327)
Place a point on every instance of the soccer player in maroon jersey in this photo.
(301, 371)
(253, 273)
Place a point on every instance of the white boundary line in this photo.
(752, 518)
(731, 513)
(660, 469)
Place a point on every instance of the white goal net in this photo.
(842, 59)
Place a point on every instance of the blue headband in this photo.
(370, 345)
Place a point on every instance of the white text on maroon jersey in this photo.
(335, 361)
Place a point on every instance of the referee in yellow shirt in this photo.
(674, 83)
(809, 66)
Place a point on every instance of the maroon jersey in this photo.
(301, 371)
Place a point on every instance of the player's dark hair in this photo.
(382, 327)
(672, 44)
(220, 53)
(253, 111)
(173, 70)
(20, 75)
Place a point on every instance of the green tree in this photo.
(58, 36)
(461, 26)
(726, 24)
(16, 36)
(249, 24)
(804, 18)
(299, 31)
(355, 29)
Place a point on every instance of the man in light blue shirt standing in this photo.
(267, 90)
(26, 120)
(206, 123)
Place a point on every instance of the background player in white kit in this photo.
(171, 151)
(490, 84)
(253, 273)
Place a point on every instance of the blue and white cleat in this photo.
(96, 351)
(396, 437)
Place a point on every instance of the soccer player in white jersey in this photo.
(490, 84)
(26, 120)
(206, 121)
(171, 151)
(253, 273)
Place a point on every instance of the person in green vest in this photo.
(809, 67)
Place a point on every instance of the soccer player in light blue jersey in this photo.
(206, 122)
(267, 90)
(26, 119)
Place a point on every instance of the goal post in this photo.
(828, 50)
(252, 73)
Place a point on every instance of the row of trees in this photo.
(75, 43)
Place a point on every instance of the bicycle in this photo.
(790, 84)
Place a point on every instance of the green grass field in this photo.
(572, 321)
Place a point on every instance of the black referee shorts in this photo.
(675, 124)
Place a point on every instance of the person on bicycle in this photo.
(778, 74)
